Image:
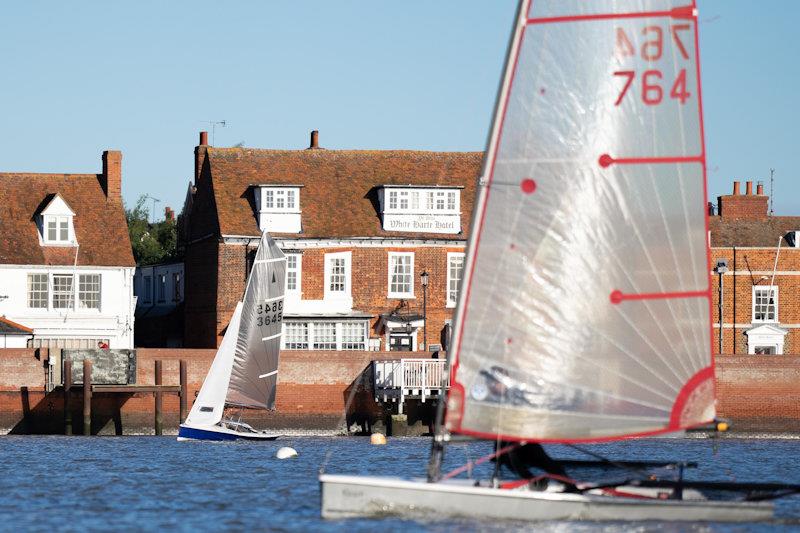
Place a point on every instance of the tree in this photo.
(152, 242)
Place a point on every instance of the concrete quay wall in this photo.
(758, 393)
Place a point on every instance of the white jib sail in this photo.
(254, 375)
(209, 405)
(584, 312)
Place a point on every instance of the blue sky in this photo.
(143, 77)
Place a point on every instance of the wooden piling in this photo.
(67, 389)
(184, 391)
(87, 397)
(159, 422)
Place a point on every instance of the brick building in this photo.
(359, 228)
(761, 307)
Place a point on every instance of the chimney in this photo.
(200, 155)
(743, 206)
(169, 214)
(760, 189)
(112, 176)
(314, 140)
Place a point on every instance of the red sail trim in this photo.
(686, 392)
(617, 296)
(683, 12)
(606, 160)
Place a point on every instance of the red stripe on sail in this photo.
(617, 297)
(606, 160)
(683, 12)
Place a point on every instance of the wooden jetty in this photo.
(158, 390)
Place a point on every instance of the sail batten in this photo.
(585, 307)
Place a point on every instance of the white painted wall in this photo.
(14, 341)
(113, 321)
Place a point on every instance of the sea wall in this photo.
(758, 393)
(313, 388)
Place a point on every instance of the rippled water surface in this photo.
(144, 483)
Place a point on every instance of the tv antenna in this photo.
(213, 124)
(153, 210)
(771, 193)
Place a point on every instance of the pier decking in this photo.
(399, 380)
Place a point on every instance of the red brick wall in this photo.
(744, 206)
(747, 267)
(22, 367)
(760, 392)
(369, 278)
(200, 326)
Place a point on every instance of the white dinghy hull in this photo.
(355, 496)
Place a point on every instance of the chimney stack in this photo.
(749, 188)
(203, 138)
(736, 189)
(111, 180)
(314, 139)
(747, 206)
(760, 189)
(169, 214)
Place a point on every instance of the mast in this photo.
(439, 433)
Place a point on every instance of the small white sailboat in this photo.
(584, 313)
(244, 372)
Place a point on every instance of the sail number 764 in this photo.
(652, 80)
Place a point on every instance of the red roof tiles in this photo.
(100, 226)
(339, 197)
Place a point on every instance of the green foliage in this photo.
(152, 243)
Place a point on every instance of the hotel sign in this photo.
(422, 223)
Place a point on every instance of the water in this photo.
(144, 483)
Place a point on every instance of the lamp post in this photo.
(424, 279)
(720, 268)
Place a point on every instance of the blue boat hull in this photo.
(203, 434)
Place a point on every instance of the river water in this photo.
(144, 483)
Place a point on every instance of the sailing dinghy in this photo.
(584, 314)
(244, 372)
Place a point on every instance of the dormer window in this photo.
(421, 209)
(278, 208)
(55, 223)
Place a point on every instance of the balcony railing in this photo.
(400, 379)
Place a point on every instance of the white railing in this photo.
(399, 379)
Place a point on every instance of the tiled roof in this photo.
(726, 232)
(8, 327)
(100, 227)
(340, 194)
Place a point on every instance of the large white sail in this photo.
(209, 405)
(585, 308)
(255, 365)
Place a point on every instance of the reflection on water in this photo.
(140, 483)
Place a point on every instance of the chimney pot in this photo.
(749, 188)
(203, 138)
(760, 189)
(736, 189)
(314, 139)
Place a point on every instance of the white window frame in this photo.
(70, 294)
(399, 294)
(59, 221)
(80, 293)
(451, 302)
(280, 195)
(430, 201)
(346, 293)
(46, 291)
(311, 327)
(297, 270)
(760, 288)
